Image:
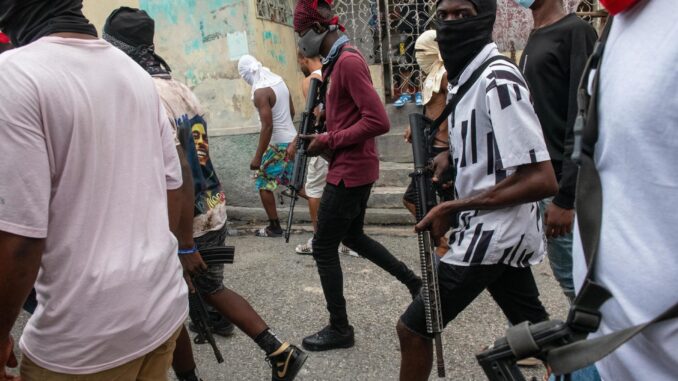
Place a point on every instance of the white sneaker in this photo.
(346, 251)
(305, 248)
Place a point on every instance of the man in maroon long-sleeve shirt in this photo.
(354, 117)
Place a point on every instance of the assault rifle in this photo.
(198, 308)
(426, 200)
(306, 127)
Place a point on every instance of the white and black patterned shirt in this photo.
(494, 129)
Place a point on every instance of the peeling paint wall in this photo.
(202, 41)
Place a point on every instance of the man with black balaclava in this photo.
(203, 220)
(354, 117)
(85, 201)
(503, 170)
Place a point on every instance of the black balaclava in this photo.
(25, 21)
(461, 40)
(131, 30)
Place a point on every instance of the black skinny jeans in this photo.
(340, 219)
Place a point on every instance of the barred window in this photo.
(278, 11)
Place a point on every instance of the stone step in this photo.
(394, 174)
(392, 147)
(374, 216)
(386, 197)
(400, 117)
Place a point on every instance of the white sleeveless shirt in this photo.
(283, 127)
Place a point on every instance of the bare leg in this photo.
(268, 200)
(313, 206)
(236, 309)
(416, 355)
(182, 360)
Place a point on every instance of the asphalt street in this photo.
(285, 289)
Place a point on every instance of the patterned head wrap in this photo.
(306, 14)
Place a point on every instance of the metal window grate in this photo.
(278, 11)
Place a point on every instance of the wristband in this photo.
(192, 250)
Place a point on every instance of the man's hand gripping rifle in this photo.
(198, 308)
(426, 200)
(308, 126)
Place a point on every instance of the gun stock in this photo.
(426, 200)
(306, 127)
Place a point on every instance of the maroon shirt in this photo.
(354, 116)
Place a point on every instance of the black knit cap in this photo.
(482, 6)
(131, 26)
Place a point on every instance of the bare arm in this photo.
(19, 264)
(291, 107)
(262, 100)
(180, 204)
(530, 182)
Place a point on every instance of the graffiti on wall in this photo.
(202, 41)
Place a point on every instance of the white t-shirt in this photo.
(494, 130)
(637, 157)
(87, 157)
(283, 127)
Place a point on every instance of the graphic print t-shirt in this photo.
(186, 117)
(492, 131)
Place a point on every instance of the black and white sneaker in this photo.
(286, 362)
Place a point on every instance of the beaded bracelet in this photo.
(192, 250)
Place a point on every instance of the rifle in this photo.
(426, 200)
(197, 307)
(306, 127)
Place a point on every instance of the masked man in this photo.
(503, 169)
(434, 93)
(204, 216)
(85, 201)
(354, 117)
(274, 104)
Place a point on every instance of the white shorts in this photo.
(316, 177)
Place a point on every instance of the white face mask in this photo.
(524, 3)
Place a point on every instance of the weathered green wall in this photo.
(202, 41)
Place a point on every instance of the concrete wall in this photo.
(202, 41)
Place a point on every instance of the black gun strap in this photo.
(585, 312)
(463, 89)
(327, 70)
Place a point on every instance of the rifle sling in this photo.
(585, 312)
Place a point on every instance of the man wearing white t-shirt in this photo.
(636, 157)
(89, 168)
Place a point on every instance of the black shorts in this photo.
(445, 195)
(514, 290)
(211, 281)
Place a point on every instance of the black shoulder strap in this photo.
(463, 89)
(585, 312)
(327, 70)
